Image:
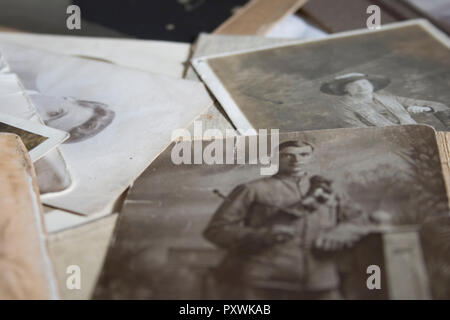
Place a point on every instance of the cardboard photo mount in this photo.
(230, 105)
(53, 137)
(26, 270)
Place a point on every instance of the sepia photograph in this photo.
(37, 138)
(29, 139)
(225, 158)
(343, 201)
(396, 75)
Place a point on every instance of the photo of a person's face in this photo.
(362, 86)
(390, 77)
(66, 115)
(294, 159)
(82, 119)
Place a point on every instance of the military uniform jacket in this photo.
(241, 223)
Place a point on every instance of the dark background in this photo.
(174, 20)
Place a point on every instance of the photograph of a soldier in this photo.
(285, 216)
(224, 231)
(394, 76)
(277, 231)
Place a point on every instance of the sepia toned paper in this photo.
(119, 120)
(403, 69)
(38, 139)
(25, 267)
(207, 231)
(84, 246)
(208, 44)
(212, 44)
(443, 141)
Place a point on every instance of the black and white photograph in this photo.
(396, 75)
(51, 170)
(223, 159)
(111, 128)
(29, 139)
(342, 200)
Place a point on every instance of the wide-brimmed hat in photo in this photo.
(337, 85)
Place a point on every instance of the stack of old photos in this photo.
(89, 133)
(358, 208)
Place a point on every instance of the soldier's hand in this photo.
(341, 237)
(281, 233)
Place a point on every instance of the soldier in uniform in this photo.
(272, 227)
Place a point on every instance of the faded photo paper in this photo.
(37, 138)
(211, 44)
(207, 44)
(397, 75)
(29, 139)
(119, 119)
(159, 57)
(343, 201)
(51, 170)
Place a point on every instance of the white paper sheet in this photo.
(159, 57)
(51, 171)
(146, 108)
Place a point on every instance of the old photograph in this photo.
(37, 138)
(119, 119)
(342, 201)
(396, 75)
(51, 170)
(29, 139)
